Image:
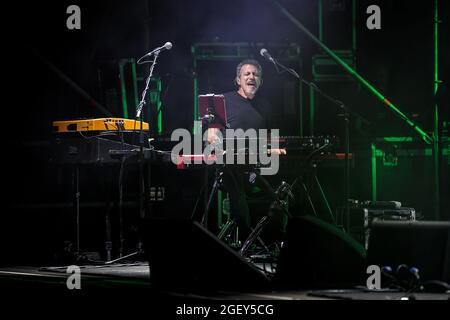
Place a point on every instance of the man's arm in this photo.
(213, 135)
(277, 151)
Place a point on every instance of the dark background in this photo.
(397, 60)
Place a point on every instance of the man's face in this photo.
(249, 81)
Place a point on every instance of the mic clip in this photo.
(208, 117)
(156, 52)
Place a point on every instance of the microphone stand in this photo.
(141, 136)
(142, 193)
(346, 116)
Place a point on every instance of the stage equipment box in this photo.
(362, 215)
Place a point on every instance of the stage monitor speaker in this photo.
(316, 254)
(422, 244)
(184, 255)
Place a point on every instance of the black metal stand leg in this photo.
(108, 242)
(204, 220)
(109, 207)
(254, 235)
(144, 200)
(324, 199)
(226, 230)
(121, 236)
(76, 183)
(123, 258)
(308, 196)
(215, 186)
(229, 233)
(313, 176)
(347, 171)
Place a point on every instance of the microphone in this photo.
(266, 55)
(166, 46)
(208, 117)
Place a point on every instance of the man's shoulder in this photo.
(229, 94)
(232, 99)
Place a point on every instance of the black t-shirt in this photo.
(245, 113)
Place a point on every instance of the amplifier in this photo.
(361, 217)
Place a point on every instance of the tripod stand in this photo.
(231, 226)
(280, 199)
(313, 180)
(215, 187)
(308, 178)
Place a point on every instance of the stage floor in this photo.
(136, 276)
(124, 276)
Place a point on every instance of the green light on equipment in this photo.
(398, 139)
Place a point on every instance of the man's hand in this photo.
(212, 135)
(277, 151)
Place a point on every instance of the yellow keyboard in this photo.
(100, 124)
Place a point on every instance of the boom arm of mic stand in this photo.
(147, 84)
(311, 84)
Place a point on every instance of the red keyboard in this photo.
(186, 160)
